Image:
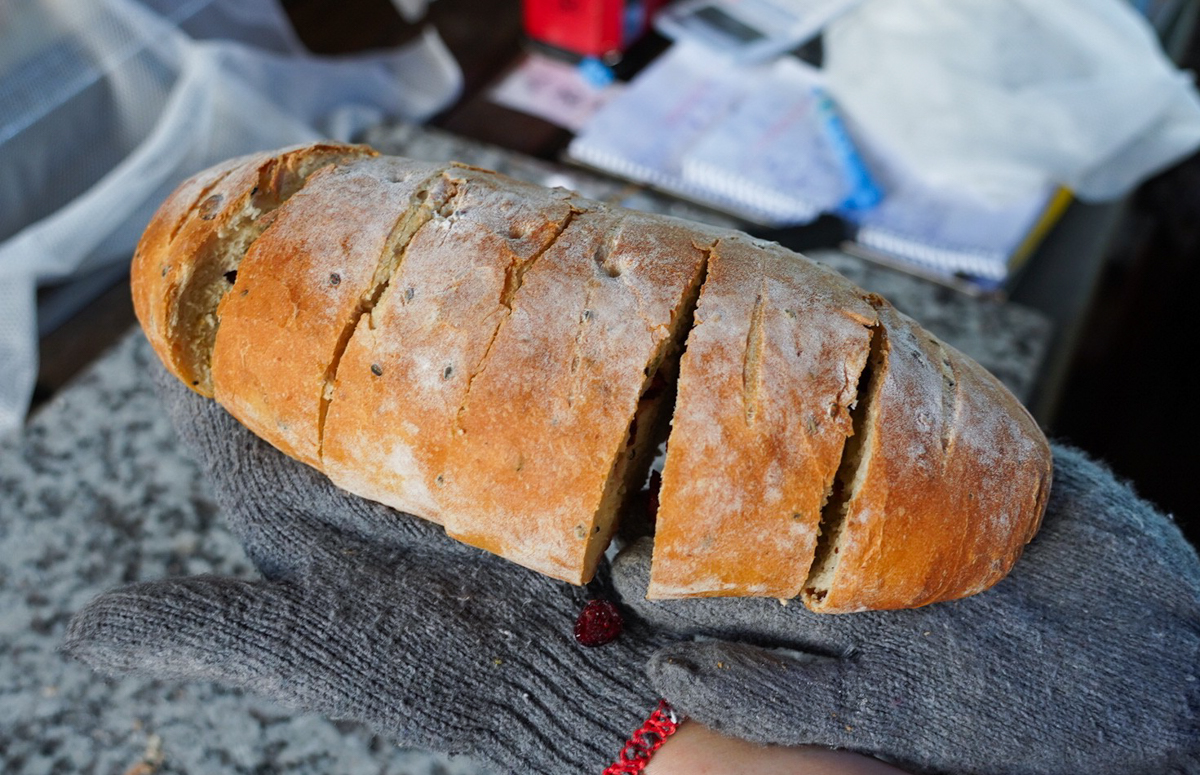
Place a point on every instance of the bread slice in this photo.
(152, 267)
(302, 288)
(558, 424)
(189, 255)
(944, 484)
(405, 370)
(162, 270)
(762, 414)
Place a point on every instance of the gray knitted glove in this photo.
(375, 616)
(1084, 660)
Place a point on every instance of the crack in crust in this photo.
(646, 434)
(752, 358)
(514, 274)
(951, 400)
(195, 316)
(387, 266)
(851, 467)
(514, 278)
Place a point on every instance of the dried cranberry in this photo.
(599, 622)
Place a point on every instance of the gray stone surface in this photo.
(95, 494)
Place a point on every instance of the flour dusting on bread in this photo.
(503, 359)
(759, 425)
(189, 273)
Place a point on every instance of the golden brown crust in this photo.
(180, 252)
(765, 387)
(299, 293)
(952, 486)
(489, 346)
(407, 365)
(160, 267)
(545, 427)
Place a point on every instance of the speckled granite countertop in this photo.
(95, 494)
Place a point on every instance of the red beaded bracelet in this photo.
(643, 743)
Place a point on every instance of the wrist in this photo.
(697, 750)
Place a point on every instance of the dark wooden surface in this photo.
(346, 27)
(1131, 391)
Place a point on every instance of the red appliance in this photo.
(604, 29)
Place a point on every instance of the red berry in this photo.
(599, 622)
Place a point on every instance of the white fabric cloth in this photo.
(1002, 99)
(105, 106)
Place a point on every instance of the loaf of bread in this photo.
(505, 359)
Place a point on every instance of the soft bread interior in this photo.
(850, 475)
(650, 425)
(215, 265)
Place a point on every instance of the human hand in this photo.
(1085, 659)
(375, 616)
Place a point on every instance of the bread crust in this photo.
(952, 484)
(489, 348)
(178, 256)
(299, 293)
(163, 261)
(407, 365)
(763, 412)
(535, 472)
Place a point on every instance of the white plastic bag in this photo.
(1006, 98)
(105, 106)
